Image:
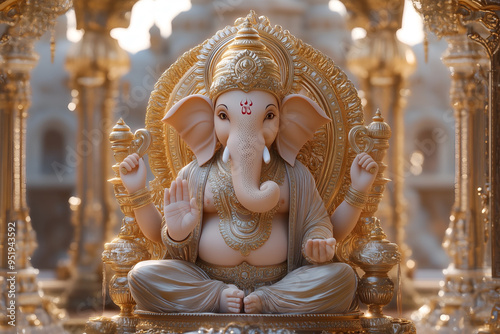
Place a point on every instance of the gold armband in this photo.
(356, 198)
(140, 198)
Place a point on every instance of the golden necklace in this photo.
(242, 229)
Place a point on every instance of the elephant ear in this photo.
(299, 119)
(193, 118)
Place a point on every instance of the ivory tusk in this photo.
(225, 155)
(266, 155)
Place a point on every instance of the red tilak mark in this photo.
(245, 107)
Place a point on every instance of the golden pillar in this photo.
(95, 63)
(383, 64)
(470, 294)
(23, 306)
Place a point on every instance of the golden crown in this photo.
(247, 65)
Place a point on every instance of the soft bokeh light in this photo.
(161, 12)
(417, 160)
(337, 6)
(144, 14)
(72, 34)
(410, 33)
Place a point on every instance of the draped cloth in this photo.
(176, 284)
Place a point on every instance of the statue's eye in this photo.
(222, 115)
(270, 115)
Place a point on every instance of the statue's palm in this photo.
(181, 213)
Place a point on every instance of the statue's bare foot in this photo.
(252, 304)
(231, 300)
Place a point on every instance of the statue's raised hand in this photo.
(135, 179)
(363, 172)
(320, 250)
(181, 213)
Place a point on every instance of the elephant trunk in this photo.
(246, 164)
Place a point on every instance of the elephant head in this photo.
(247, 124)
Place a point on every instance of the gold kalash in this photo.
(301, 69)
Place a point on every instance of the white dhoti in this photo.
(181, 286)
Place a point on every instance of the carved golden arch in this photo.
(328, 156)
(304, 70)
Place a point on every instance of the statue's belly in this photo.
(213, 249)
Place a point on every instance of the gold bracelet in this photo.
(140, 198)
(169, 242)
(356, 198)
(308, 259)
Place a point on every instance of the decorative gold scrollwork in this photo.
(361, 141)
(490, 21)
(359, 135)
(141, 142)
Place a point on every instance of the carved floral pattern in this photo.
(157, 323)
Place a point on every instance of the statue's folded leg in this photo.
(328, 288)
(173, 286)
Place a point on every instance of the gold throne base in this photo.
(156, 323)
(144, 322)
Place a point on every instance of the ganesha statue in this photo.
(244, 225)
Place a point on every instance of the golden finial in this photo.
(247, 65)
(121, 132)
(378, 128)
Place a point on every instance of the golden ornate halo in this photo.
(303, 69)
